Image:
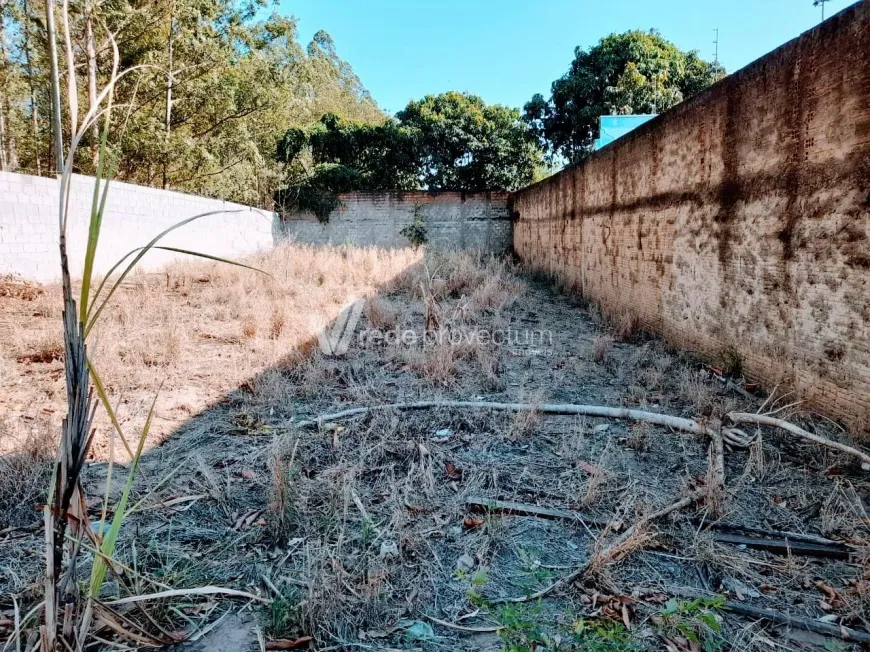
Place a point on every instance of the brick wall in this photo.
(737, 221)
(133, 216)
(452, 220)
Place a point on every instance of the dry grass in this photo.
(603, 347)
(361, 524)
(523, 424)
(24, 473)
(199, 329)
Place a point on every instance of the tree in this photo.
(452, 141)
(343, 156)
(217, 85)
(467, 145)
(630, 73)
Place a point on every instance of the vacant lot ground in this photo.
(392, 530)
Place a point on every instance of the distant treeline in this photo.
(224, 103)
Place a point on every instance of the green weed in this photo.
(694, 620)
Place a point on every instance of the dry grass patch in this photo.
(603, 345)
(199, 329)
(24, 474)
(361, 526)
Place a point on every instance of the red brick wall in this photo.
(739, 220)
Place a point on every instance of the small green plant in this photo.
(522, 631)
(282, 618)
(476, 582)
(84, 387)
(528, 629)
(416, 231)
(533, 572)
(602, 636)
(694, 620)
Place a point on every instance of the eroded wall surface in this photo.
(737, 222)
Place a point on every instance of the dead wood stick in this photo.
(509, 508)
(748, 529)
(288, 644)
(717, 459)
(463, 628)
(607, 552)
(817, 626)
(799, 622)
(765, 420)
(783, 546)
(733, 436)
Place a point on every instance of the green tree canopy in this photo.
(219, 83)
(452, 141)
(631, 73)
(467, 145)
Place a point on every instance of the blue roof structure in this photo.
(614, 126)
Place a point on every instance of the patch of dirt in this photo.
(359, 528)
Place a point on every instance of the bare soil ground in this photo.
(359, 530)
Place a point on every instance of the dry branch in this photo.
(731, 435)
(289, 644)
(809, 624)
(784, 546)
(509, 508)
(463, 628)
(182, 593)
(799, 622)
(735, 528)
(766, 420)
(716, 481)
(607, 552)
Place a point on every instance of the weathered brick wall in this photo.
(739, 220)
(133, 216)
(452, 220)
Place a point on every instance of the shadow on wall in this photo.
(738, 219)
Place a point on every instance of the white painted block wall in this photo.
(133, 216)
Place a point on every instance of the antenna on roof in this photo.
(716, 44)
(821, 3)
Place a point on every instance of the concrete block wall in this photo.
(452, 220)
(133, 216)
(738, 221)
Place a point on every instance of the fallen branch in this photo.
(508, 508)
(784, 546)
(716, 483)
(809, 624)
(735, 528)
(607, 552)
(766, 420)
(732, 436)
(288, 644)
(463, 628)
(180, 593)
(799, 622)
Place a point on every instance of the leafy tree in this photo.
(384, 156)
(467, 145)
(341, 156)
(452, 141)
(217, 88)
(629, 73)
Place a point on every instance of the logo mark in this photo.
(336, 340)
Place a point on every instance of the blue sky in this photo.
(507, 50)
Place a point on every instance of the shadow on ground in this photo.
(358, 530)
